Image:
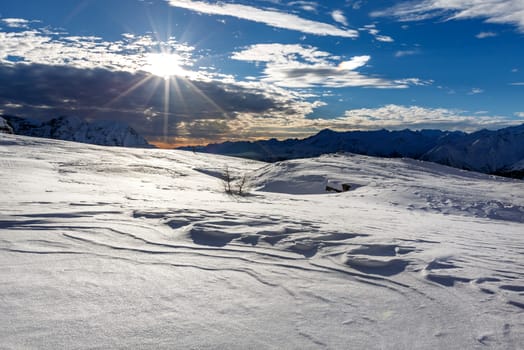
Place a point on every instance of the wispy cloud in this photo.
(355, 5)
(15, 22)
(269, 17)
(520, 83)
(484, 35)
(475, 91)
(338, 16)
(402, 53)
(372, 29)
(299, 66)
(493, 11)
(519, 114)
(310, 6)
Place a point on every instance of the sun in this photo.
(164, 65)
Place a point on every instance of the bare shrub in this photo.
(234, 184)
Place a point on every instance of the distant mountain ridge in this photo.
(105, 133)
(495, 152)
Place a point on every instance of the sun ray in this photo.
(167, 100)
(129, 90)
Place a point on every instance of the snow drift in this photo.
(141, 248)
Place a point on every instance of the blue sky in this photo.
(193, 72)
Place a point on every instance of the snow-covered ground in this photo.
(141, 248)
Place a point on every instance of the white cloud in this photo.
(15, 22)
(416, 117)
(519, 114)
(384, 38)
(518, 83)
(403, 53)
(372, 30)
(475, 91)
(338, 16)
(128, 54)
(298, 66)
(354, 63)
(271, 18)
(356, 4)
(493, 11)
(483, 35)
(305, 5)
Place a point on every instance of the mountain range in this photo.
(106, 133)
(498, 152)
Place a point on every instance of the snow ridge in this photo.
(495, 152)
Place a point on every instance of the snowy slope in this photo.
(107, 133)
(140, 248)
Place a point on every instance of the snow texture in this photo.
(108, 247)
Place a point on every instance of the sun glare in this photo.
(163, 65)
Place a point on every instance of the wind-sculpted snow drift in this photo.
(141, 248)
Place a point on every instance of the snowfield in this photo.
(106, 247)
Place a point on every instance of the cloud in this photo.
(43, 91)
(372, 30)
(518, 83)
(271, 18)
(483, 35)
(338, 16)
(384, 38)
(310, 6)
(128, 54)
(354, 63)
(299, 66)
(493, 11)
(355, 5)
(415, 117)
(392, 117)
(519, 114)
(45, 74)
(475, 91)
(403, 53)
(15, 22)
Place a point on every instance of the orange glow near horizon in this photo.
(181, 143)
(190, 142)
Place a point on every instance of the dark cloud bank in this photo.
(150, 104)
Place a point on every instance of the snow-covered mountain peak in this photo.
(5, 128)
(485, 151)
(72, 128)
